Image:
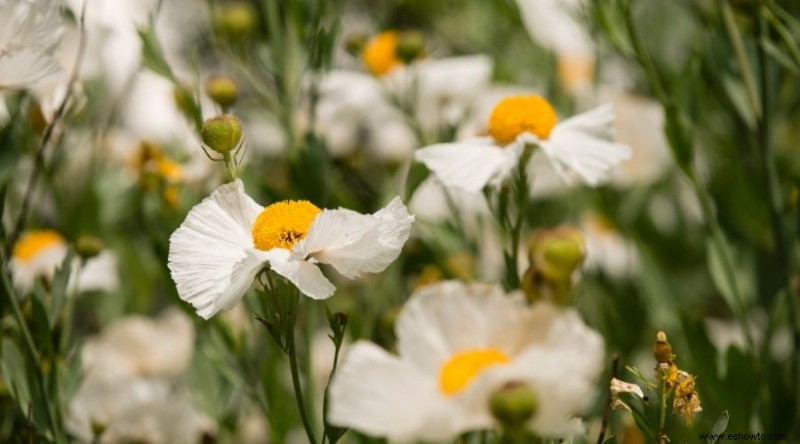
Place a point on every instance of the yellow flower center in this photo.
(519, 114)
(379, 54)
(34, 242)
(463, 367)
(283, 224)
(169, 170)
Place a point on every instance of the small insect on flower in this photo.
(227, 239)
(582, 145)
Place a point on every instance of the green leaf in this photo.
(12, 366)
(781, 57)
(719, 426)
(639, 410)
(738, 97)
(152, 56)
(726, 285)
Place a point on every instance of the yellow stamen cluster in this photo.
(34, 242)
(687, 403)
(380, 53)
(283, 224)
(462, 368)
(516, 115)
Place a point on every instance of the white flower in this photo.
(607, 249)
(29, 34)
(552, 23)
(135, 346)
(457, 345)
(582, 145)
(39, 253)
(131, 385)
(227, 239)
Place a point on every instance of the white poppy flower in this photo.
(457, 345)
(582, 145)
(39, 253)
(29, 34)
(227, 239)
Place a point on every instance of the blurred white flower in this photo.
(607, 249)
(582, 145)
(137, 346)
(39, 253)
(30, 32)
(227, 239)
(148, 410)
(553, 24)
(131, 387)
(353, 111)
(640, 125)
(457, 345)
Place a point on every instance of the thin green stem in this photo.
(298, 391)
(735, 37)
(34, 356)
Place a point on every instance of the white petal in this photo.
(304, 275)
(446, 318)
(584, 145)
(43, 264)
(380, 395)
(354, 243)
(469, 165)
(208, 254)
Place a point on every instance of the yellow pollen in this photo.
(169, 170)
(463, 367)
(34, 242)
(379, 53)
(519, 114)
(283, 224)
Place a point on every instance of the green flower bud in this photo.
(88, 247)
(222, 134)
(513, 405)
(184, 100)
(236, 21)
(354, 44)
(222, 90)
(410, 46)
(558, 253)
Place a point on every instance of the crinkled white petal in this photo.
(470, 164)
(354, 243)
(43, 264)
(211, 255)
(449, 317)
(307, 277)
(584, 145)
(380, 395)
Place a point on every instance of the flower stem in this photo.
(298, 391)
(33, 355)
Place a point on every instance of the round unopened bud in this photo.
(558, 253)
(222, 90)
(662, 350)
(354, 44)
(222, 134)
(410, 46)
(513, 405)
(88, 246)
(236, 21)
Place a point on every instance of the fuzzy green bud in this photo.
(354, 44)
(222, 90)
(662, 350)
(410, 46)
(88, 246)
(558, 253)
(236, 21)
(184, 100)
(222, 134)
(513, 405)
